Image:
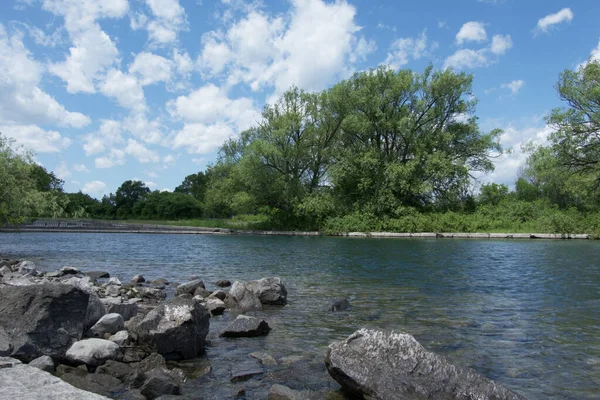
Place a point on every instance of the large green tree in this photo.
(129, 193)
(194, 184)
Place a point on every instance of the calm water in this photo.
(526, 313)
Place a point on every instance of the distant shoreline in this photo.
(169, 229)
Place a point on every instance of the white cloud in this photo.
(471, 31)
(42, 38)
(142, 128)
(22, 101)
(62, 171)
(124, 88)
(150, 184)
(141, 152)
(596, 53)
(80, 168)
(402, 50)
(513, 86)
(35, 138)
(93, 51)
(115, 157)
(168, 160)
(500, 44)
(551, 20)
(108, 135)
(201, 138)
(95, 188)
(169, 19)
(151, 68)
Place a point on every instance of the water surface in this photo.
(525, 313)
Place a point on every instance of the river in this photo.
(525, 313)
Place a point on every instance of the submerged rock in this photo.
(246, 326)
(340, 305)
(223, 283)
(389, 365)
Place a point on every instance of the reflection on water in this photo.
(525, 313)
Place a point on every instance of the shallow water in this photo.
(525, 313)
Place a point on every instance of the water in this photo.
(525, 313)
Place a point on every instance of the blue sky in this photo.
(111, 90)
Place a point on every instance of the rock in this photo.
(44, 363)
(6, 347)
(389, 365)
(92, 352)
(114, 281)
(127, 310)
(269, 290)
(214, 306)
(109, 323)
(264, 358)
(245, 299)
(119, 370)
(152, 294)
(121, 338)
(53, 274)
(280, 392)
(134, 354)
(137, 280)
(101, 384)
(95, 309)
(112, 290)
(200, 291)
(246, 326)
(340, 305)
(44, 319)
(244, 372)
(219, 294)
(158, 383)
(97, 274)
(20, 381)
(27, 268)
(67, 270)
(5, 270)
(192, 369)
(190, 287)
(176, 329)
(223, 283)
(160, 281)
(63, 369)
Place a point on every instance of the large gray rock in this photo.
(95, 309)
(214, 306)
(27, 268)
(44, 319)
(389, 365)
(176, 329)
(269, 290)
(20, 381)
(190, 287)
(245, 298)
(246, 326)
(159, 383)
(44, 363)
(93, 352)
(109, 323)
(116, 305)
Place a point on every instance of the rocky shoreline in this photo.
(71, 334)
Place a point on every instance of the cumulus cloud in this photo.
(114, 158)
(201, 138)
(405, 49)
(151, 68)
(95, 188)
(550, 21)
(36, 139)
(169, 19)
(140, 152)
(471, 31)
(107, 135)
(62, 171)
(513, 86)
(501, 44)
(469, 58)
(125, 89)
(80, 168)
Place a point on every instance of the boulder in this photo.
(223, 283)
(20, 381)
(159, 383)
(176, 329)
(200, 291)
(109, 323)
(92, 352)
(245, 298)
(27, 268)
(112, 290)
(246, 326)
(160, 281)
(121, 338)
(67, 270)
(137, 280)
(219, 294)
(119, 370)
(116, 305)
(95, 309)
(280, 392)
(114, 281)
(389, 365)
(44, 363)
(190, 287)
(97, 274)
(269, 290)
(340, 305)
(104, 385)
(44, 319)
(214, 306)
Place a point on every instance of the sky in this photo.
(103, 91)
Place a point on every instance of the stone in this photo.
(246, 326)
(223, 283)
(92, 352)
(113, 290)
(44, 319)
(192, 369)
(97, 274)
(22, 381)
(95, 309)
(67, 270)
(219, 294)
(340, 305)
(100, 384)
(176, 329)
(114, 281)
(137, 280)
(152, 294)
(44, 363)
(119, 370)
(27, 268)
(214, 306)
(109, 323)
(244, 372)
(200, 291)
(160, 281)
(121, 338)
(390, 365)
(269, 290)
(264, 358)
(189, 287)
(6, 347)
(159, 383)
(280, 392)
(115, 305)
(245, 299)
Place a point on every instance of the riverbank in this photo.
(86, 226)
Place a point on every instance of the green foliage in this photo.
(493, 193)
(195, 185)
(127, 195)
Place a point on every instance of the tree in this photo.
(194, 184)
(129, 193)
(493, 194)
(577, 136)
(45, 181)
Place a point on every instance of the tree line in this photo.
(383, 150)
